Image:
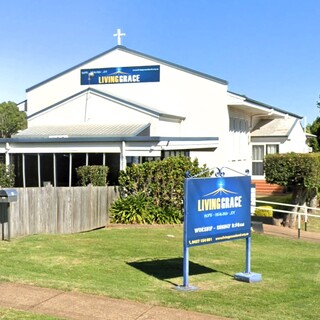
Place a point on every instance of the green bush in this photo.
(133, 209)
(264, 211)
(140, 209)
(293, 169)
(168, 216)
(163, 181)
(160, 184)
(7, 176)
(95, 175)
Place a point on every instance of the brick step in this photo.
(262, 187)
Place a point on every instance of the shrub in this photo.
(264, 211)
(160, 184)
(140, 209)
(7, 176)
(95, 175)
(133, 209)
(163, 181)
(293, 169)
(168, 216)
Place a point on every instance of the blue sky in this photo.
(268, 50)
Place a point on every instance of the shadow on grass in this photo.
(169, 268)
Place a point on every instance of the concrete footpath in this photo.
(80, 306)
(290, 233)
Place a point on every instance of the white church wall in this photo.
(296, 141)
(201, 101)
(90, 109)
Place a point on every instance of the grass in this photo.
(9, 314)
(145, 264)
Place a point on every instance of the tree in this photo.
(314, 128)
(301, 172)
(11, 119)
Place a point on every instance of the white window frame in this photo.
(239, 138)
(265, 152)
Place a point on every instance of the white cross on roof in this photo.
(119, 35)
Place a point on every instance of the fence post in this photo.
(305, 218)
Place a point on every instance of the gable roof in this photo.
(137, 53)
(274, 127)
(127, 103)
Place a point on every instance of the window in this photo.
(238, 132)
(272, 148)
(175, 153)
(258, 153)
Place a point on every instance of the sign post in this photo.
(217, 210)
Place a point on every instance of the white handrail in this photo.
(305, 213)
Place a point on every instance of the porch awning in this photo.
(84, 130)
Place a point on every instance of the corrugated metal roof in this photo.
(83, 130)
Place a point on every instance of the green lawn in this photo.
(10, 314)
(145, 264)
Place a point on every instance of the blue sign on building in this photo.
(217, 209)
(120, 75)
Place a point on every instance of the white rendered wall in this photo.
(201, 101)
(296, 141)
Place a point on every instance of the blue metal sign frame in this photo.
(217, 210)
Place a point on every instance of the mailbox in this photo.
(8, 195)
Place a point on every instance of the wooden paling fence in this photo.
(56, 210)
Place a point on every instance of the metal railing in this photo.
(304, 208)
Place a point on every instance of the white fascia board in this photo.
(171, 145)
(235, 99)
(65, 148)
(268, 111)
(256, 110)
(143, 153)
(189, 147)
(192, 144)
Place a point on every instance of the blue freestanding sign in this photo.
(216, 210)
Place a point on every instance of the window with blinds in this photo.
(238, 131)
(258, 153)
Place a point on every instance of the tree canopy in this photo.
(314, 128)
(11, 119)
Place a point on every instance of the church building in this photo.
(123, 107)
